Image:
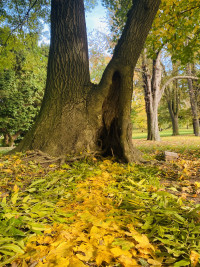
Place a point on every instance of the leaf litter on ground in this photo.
(97, 213)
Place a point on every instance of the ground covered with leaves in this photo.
(100, 213)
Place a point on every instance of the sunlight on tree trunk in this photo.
(76, 115)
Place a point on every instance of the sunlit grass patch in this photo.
(184, 145)
(143, 135)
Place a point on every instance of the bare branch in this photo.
(175, 78)
(22, 20)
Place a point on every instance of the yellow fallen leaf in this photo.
(62, 250)
(15, 188)
(117, 252)
(52, 165)
(143, 242)
(108, 239)
(194, 257)
(84, 252)
(105, 175)
(154, 262)
(197, 184)
(127, 261)
(75, 262)
(8, 170)
(18, 161)
(60, 262)
(54, 260)
(95, 232)
(103, 256)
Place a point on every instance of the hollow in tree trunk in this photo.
(77, 116)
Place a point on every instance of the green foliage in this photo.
(163, 216)
(175, 27)
(24, 16)
(90, 4)
(22, 88)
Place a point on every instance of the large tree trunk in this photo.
(193, 103)
(77, 116)
(151, 84)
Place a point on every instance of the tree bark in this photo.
(193, 103)
(151, 84)
(173, 102)
(77, 116)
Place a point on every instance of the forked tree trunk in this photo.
(193, 103)
(151, 84)
(77, 116)
(173, 100)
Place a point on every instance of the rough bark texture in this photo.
(77, 116)
(151, 84)
(193, 103)
(173, 100)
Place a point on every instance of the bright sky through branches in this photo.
(96, 19)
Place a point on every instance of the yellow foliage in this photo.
(15, 188)
(127, 261)
(93, 231)
(117, 252)
(84, 251)
(103, 255)
(194, 257)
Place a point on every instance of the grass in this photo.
(140, 135)
(4, 150)
(188, 146)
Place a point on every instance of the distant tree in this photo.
(138, 114)
(21, 92)
(155, 84)
(194, 97)
(172, 95)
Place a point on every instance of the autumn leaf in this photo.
(103, 256)
(117, 252)
(84, 251)
(128, 261)
(194, 257)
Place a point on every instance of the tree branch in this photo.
(175, 78)
(21, 22)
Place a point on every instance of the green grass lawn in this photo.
(187, 145)
(140, 135)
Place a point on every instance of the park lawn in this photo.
(186, 145)
(97, 212)
(143, 135)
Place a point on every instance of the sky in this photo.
(96, 19)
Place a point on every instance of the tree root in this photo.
(45, 160)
